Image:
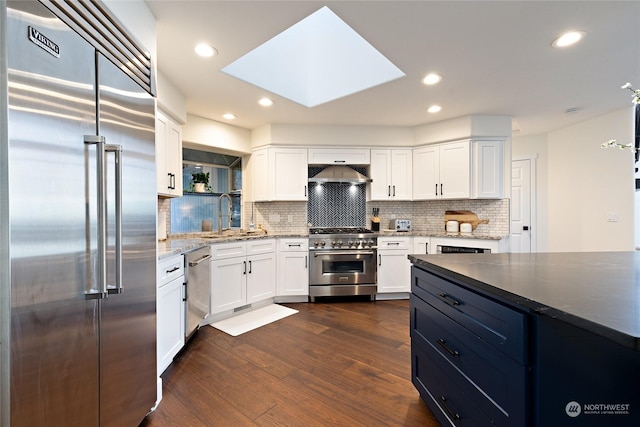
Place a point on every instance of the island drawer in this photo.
(451, 404)
(501, 382)
(169, 269)
(493, 322)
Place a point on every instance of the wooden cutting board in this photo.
(464, 216)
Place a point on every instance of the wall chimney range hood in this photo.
(342, 174)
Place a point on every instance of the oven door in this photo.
(342, 267)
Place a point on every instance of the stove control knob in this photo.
(351, 243)
(339, 242)
(322, 243)
(370, 242)
(315, 244)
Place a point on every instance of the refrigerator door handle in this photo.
(117, 150)
(101, 291)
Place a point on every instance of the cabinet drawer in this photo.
(260, 246)
(228, 250)
(451, 404)
(497, 324)
(393, 243)
(488, 370)
(297, 245)
(169, 269)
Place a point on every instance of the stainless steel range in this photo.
(342, 262)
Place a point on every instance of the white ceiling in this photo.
(495, 57)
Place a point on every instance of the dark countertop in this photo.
(596, 291)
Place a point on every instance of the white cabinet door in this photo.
(488, 170)
(288, 173)
(293, 267)
(261, 277)
(260, 174)
(455, 170)
(170, 322)
(391, 174)
(228, 284)
(339, 156)
(401, 174)
(442, 171)
(380, 174)
(168, 156)
(394, 268)
(421, 245)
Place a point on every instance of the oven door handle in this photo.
(315, 254)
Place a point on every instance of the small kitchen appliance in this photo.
(400, 224)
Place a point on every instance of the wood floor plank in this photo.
(332, 364)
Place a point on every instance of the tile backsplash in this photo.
(293, 217)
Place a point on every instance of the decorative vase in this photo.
(199, 187)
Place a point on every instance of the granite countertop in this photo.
(599, 292)
(181, 243)
(440, 234)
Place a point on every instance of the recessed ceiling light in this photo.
(434, 109)
(431, 79)
(205, 50)
(229, 116)
(569, 38)
(265, 102)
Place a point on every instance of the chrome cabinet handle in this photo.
(100, 291)
(194, 263)
(117, 150)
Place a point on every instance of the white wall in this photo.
(170, 100)
(209, 135)
(586, 182)
(536, 146)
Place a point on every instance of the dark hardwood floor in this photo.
(336, 363)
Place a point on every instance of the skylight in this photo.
(317, 60)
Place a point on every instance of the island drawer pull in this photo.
(449, 350)
(446, 298)
(452, 414)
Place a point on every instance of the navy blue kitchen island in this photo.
(545, 339)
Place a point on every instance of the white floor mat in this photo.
(251, 320)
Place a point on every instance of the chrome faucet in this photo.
(228, 197)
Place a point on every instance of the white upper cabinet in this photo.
(168, 156)
(279, 174)
(339, 156)
(442, 171)
(488, 170)
(391, 174)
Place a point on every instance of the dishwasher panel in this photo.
(198, 288)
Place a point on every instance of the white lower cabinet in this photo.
(170, 316)
(293, 267)
(421, 245)
(242, 273)
(394, 268)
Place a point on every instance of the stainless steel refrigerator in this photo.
(77, 230)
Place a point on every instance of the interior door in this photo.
(520, 240)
